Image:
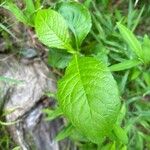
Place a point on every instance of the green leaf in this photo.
(146, 78)
(76, 135)
(58, 59)
(120, 134)
(88, 97)
(105, 2)
(78, 19)
(17, 148)
(2, 4)
(126, 64)
(108, 146)
(121, 115)
(50, 94)
(65, 132)
(146, 49)
(124, 81)
(24, 16)
(52, 29)
(87, 3)
(135, 74)
(124, 148)
(16, 11)
(105, 147)
(130, 39)
(113, 147)
(7, 30)
(9, 123)
(52, 114)
(100, 52)
(30, 9)
(138, 18)
(139, 142)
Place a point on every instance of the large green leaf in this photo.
(78, 19)
(52, 29)
(88, 96)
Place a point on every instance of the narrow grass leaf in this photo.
(52, 114)
(7, 30)
(120, 134)
(16, 11)
(130, 39)
(65, 132)
(126, 64)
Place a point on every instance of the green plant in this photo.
(87, 94)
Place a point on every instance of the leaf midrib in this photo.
(78, 70)
(80, 78)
